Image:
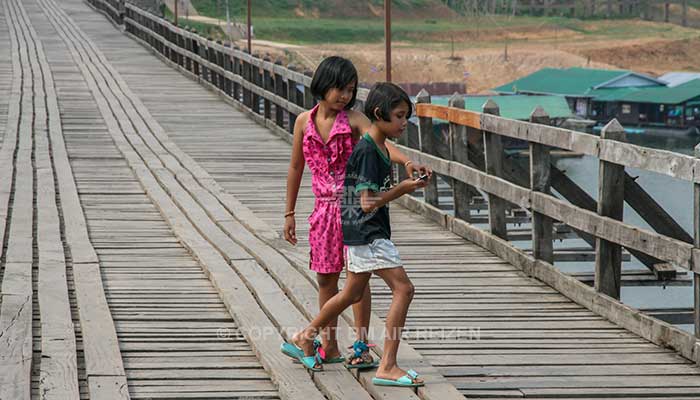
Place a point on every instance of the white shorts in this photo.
(380, 254)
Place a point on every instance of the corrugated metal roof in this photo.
(576, 82)
(518, 106)
(665, 94)
(568, 82)
(674, 79)
(611, 94)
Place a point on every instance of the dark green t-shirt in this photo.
(368, 168)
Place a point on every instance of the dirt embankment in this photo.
(480, 69)
(653, 58)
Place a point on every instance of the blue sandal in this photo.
(361, 351)
(407, 380)
(309, 362)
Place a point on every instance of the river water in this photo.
(674, 195)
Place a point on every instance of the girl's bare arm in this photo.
(296, 163)
(361, 124)
(370, 201)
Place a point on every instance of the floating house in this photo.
(672, 100)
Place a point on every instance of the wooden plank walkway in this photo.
(5, 72)
(533, 342)
(146, 187)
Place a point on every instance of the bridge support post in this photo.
(540, 177)
(493, 160)
(459, 152)
(427, 145)
(611, 197)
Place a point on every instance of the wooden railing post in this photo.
(459, 152)
(493, 160)
(247, 97)
(228, 68)
(211, 54)
(220, 62)
(308, 96)
(196, 51)
(167, 37)
(293, 97)
(181, 55)
(188, 51)
(121, 9)
(203, 53)
(279, 91)
(268, 84)
(236, 69)
(427, 145)
(255, 79)
(611, 197)
(542, 237)
(696, 231)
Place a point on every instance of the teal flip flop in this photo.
(291, 351)
(404, 381)
(309, 362)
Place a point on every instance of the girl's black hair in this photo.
(384, 97)
(334, 72)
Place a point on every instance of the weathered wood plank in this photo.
(540, 161)
(611, 201)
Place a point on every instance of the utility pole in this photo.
(387, 38)
(250, 30)
(175, 11)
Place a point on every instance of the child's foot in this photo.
(396, 373)
(302, 341)
(360, 357)
(330, 351)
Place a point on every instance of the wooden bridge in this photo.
(142, 180)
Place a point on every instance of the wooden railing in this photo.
(473, 162)
(113, 8)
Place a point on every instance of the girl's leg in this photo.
(361, 311)
(402, 293)
(327, 288)
(351, 293)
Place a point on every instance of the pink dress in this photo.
(327, 163)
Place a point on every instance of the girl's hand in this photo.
(410, 185)
(290, 230)
(419, 168)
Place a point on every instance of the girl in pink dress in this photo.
(323, 139)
